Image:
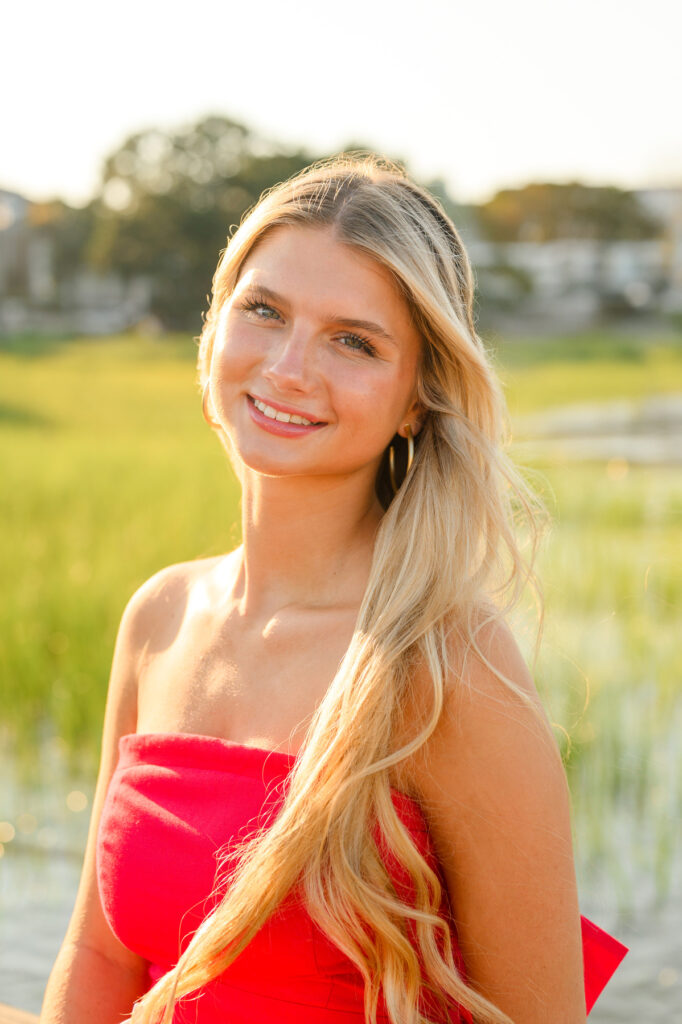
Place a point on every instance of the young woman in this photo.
(328, 790)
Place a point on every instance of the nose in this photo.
(290, 362)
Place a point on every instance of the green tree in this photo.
(69, 229)
(543, 212)
(167, 202)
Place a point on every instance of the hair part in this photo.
(446, 563)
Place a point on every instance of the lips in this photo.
(281, 428)
(288, 409)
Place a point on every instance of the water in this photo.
(37, 893)
(648, 431)
(39, 872)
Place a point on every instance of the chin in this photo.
(259, 462)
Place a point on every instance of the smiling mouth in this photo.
(283, 417)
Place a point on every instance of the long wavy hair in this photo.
(447, 556)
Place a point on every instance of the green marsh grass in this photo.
(542, 373)
(610, 666)
(109, 473)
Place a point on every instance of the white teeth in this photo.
(284, 417)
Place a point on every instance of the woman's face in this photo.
(284, 339)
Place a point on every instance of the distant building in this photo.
(565, 283)
(34, 298)
(14, 256)
(571, 280)
(666, 204)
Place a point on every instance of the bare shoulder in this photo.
(476, 697)
(478, 703)
(154, 611)
(151, 604)
(493, 748)
(495, 795)
(171, 583)
(150, 616)
(147, 609)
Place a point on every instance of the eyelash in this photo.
(367, 346)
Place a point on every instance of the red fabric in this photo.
(602, 954)
(173, 801)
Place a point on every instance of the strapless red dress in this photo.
(174, 800)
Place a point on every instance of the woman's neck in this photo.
(306, 541)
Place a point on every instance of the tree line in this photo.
(167, 202)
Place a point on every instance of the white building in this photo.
(570, 276)
(31, 297)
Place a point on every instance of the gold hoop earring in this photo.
(204, 409)
(410, 456)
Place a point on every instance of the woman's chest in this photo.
(253, 683)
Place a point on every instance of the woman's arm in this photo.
(495, 794)
(95, 978)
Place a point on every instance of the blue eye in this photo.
(253, 305)
(363, 344)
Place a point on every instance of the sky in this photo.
(486, 95)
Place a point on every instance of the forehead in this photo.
(310, 265)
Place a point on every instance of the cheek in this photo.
(232, 354)
(369, 405)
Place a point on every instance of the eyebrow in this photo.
(346, 321)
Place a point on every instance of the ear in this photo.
(415, 416)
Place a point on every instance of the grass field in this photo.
(109, 473)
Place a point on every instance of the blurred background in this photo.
(132, 142)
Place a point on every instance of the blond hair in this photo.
(445, 555)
